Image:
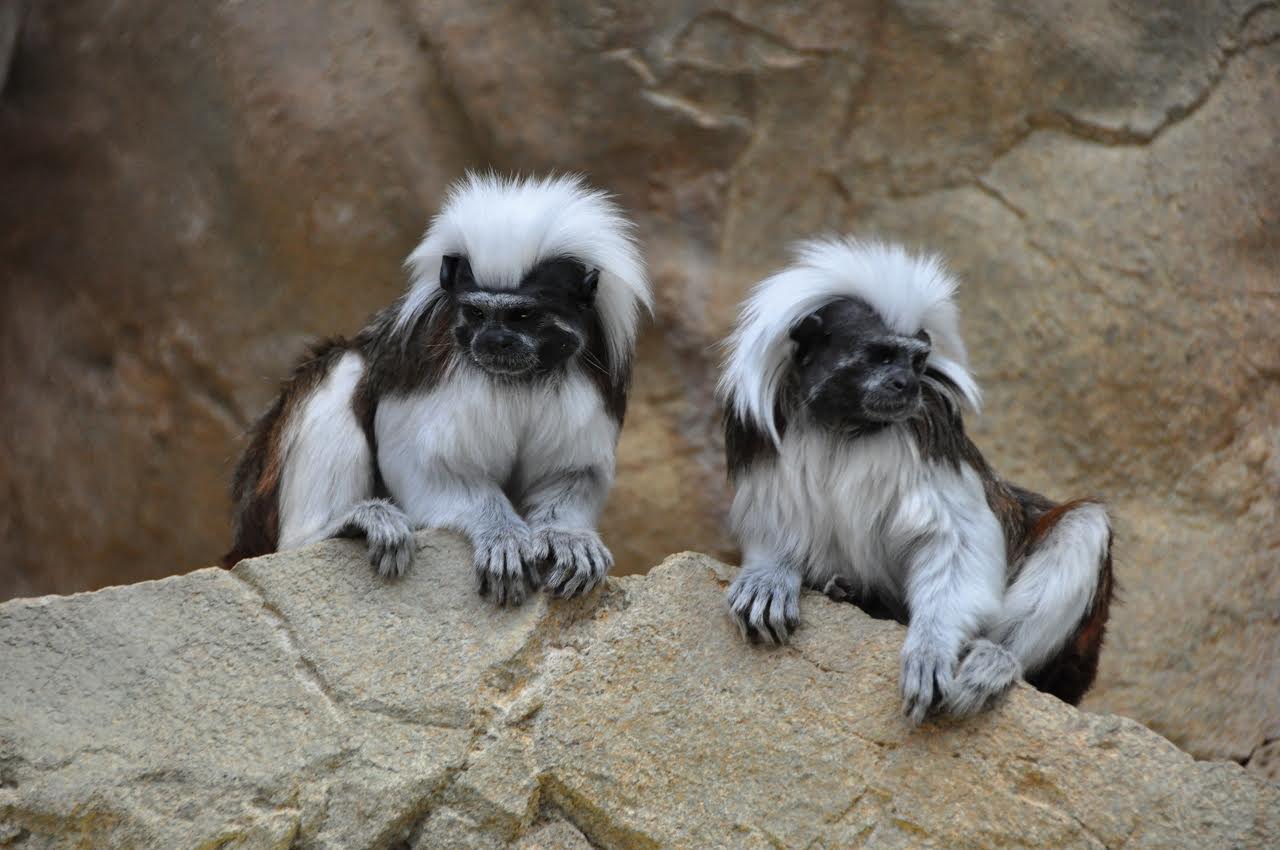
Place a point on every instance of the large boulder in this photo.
(302, 702)
(193, 190)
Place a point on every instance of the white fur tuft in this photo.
(506, 226)
(909, 292)
(327, 464)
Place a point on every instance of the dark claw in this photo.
(767, 617)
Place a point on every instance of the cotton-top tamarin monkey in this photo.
(843, 391)
(487, 399)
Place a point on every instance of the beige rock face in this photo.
(191, 191)
(302, 702)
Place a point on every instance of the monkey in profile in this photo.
(487, 399)
(843, 389)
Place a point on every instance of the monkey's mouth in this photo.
(507, 365)
(894, 408)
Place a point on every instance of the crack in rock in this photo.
(308, 674)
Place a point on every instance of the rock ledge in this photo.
(301, 702)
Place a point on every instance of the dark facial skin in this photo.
(851, 372)
(532, 330)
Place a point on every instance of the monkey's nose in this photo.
(898, 384)
(504, 341)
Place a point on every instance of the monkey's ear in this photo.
(454, 269)
(587, 288)
(448, 272)
(808, 331)
(924, 337)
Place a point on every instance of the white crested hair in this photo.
(506, 226)
(910, 292)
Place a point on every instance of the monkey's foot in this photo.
(578, 560)
(840, 589)
(984, 676)
(926, 678)
(765, 605)
(504, 563)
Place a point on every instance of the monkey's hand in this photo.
(387, 532)
(577, 559)
(927, 673)
(765, 605)
(391, 551)
(504, 564)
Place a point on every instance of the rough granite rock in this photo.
(302, 702)
(191, 191)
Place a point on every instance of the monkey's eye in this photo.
(521, 316)
(472, 314)
(882, 355)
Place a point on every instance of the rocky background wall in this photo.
(189, 192)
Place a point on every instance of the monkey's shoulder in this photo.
(745, 442)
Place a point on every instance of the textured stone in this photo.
(191, 191)
(302, 702)
(1265, 761)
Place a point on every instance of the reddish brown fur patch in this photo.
(1027, 519)
(255, 487)
(1050, 518)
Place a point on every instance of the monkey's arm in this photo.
(562, 510)
(764, 600)
(953, 554)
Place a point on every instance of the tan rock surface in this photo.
(190, 192)
(302, 702)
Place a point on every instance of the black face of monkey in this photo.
(531, 330)
(851, 370)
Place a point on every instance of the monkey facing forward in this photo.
(843, 390)
(488, 399)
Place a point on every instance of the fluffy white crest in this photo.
(909, 292)
(504, 227)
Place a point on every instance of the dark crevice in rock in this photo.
(11, 15)
(999, 197)
(985, 187)
(508, 682)
(1253, 11)
(556, 799)
(185, 364)
(734, 22)
(407, 827)
(557, 631)
(1062, 121)
(308, 673)
(1101, 134)
(478, 141)
(859, 95)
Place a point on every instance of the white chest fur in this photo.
(474, 427)
(858, 508)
